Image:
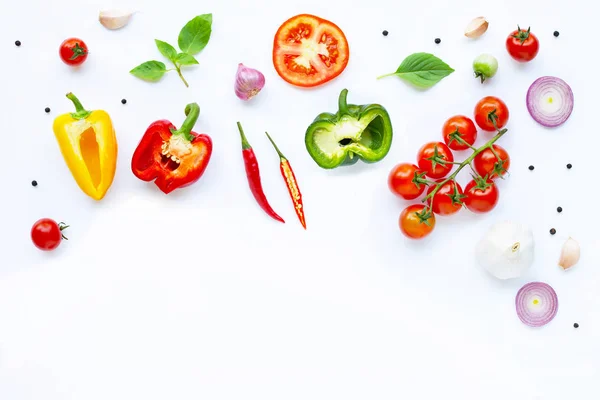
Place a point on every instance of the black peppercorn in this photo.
(569, 166)
(556, 33)
(552, 231)
(438, 40)
(559, 209)
(385, 33)
(575, 325)
(47, 109)
(34, 183)
(18, 43)
(531, 167)
(123, 101)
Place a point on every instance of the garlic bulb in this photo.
(506, 250)
(476, 28)
(114, 19)
(569, 256)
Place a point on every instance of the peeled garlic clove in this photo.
(115, 19)
(569, 256)
(476, 28)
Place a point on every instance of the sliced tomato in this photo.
(309, 51)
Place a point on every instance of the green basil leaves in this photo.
(422, 70)
(193, 38)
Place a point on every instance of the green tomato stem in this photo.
(464, 164)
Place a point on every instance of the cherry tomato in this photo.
(486, 162)
(482, 195)
(461, 127)
(435, 159)
(416, 221)
(73, 51)
(488, 110)
(522, 45)
(46, 234)
(407, 181)
(309, 51)
(448, 200)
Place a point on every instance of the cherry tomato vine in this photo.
(435, 160)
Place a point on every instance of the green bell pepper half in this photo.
(354, 132)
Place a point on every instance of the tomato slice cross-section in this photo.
(309, 51)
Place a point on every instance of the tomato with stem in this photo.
(309, 51)
(522, 45)
(73, 51)
(491, 114)
(459, 132)
(436, 159)
(47, 235)
(416, 221)
(492, 162)
(407, 181)
(482, 195)
(448, 199)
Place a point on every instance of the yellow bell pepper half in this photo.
(88, 144)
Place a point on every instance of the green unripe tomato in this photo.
(485, 66)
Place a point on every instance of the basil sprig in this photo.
(422, 70)
(193, 38)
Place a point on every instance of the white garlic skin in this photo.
(570, 253)
(476, 28)
(114, 19)
(507, 250)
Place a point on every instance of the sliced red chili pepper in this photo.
(292, 184)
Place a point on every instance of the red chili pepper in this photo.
(176, 158)
(253, 175)
(291, 183)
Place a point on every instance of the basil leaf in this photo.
(194, 36)
(149, 71)
(166, 49)
(185, 59)
(422, 70)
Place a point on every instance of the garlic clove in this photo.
(115, 19)
(476, 28)
(569, 256)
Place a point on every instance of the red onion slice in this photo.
(550, 101)
(537, 304)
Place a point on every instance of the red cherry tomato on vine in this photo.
(482, 195)
(486, 162)
(73, 51)
(407, 181)
(435, 158)
(461, 127)
(448, 200)
(488, 110)
(522, 45)
(46, 234)
(416, 221)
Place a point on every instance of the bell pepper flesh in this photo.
(172, 158)
(89, 147)
(353, 133)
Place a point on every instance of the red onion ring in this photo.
(550, 101)
(537, 304)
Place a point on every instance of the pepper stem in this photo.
(80, 112)
(192, 111)
(281, 156)
(245, 144)
(342, 103)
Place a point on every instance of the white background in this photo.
(200, 295)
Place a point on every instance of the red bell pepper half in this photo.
(174, 157)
